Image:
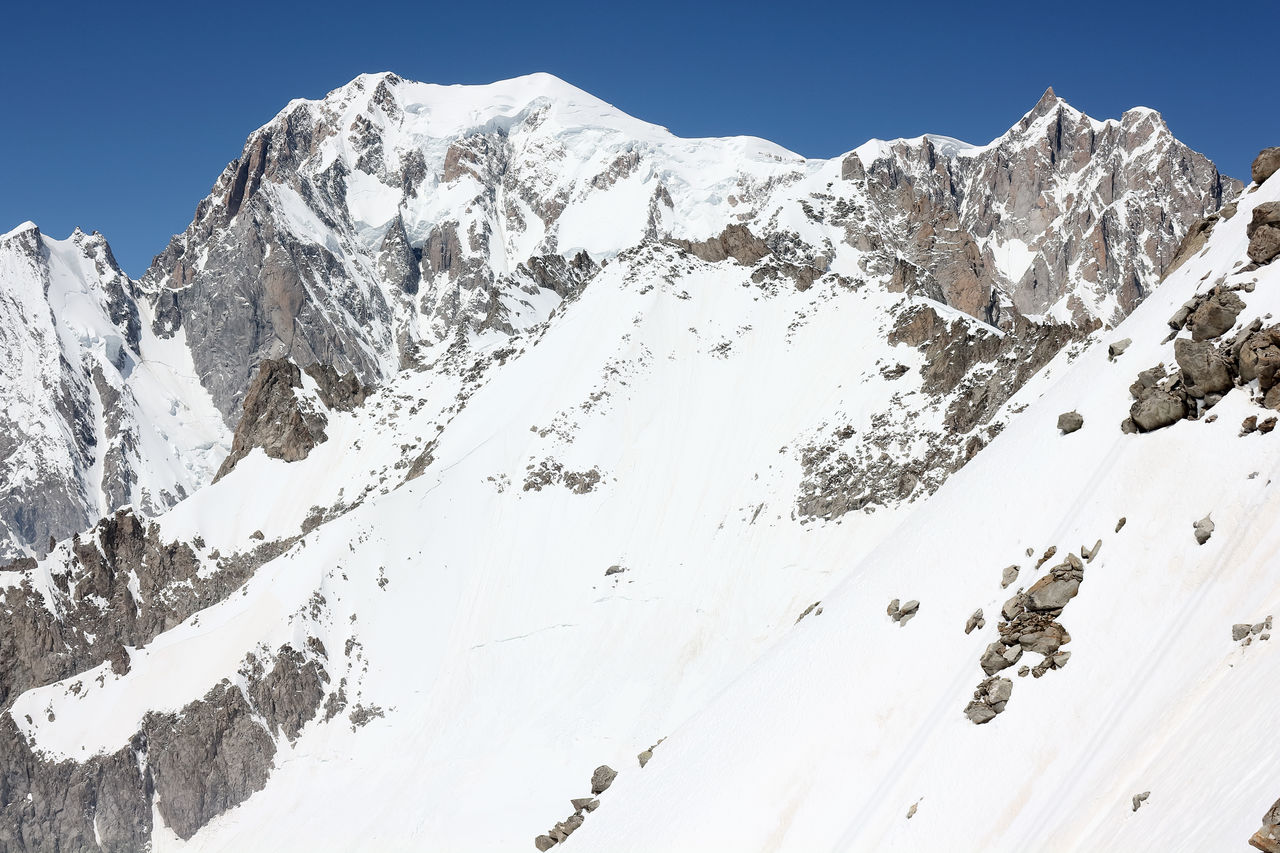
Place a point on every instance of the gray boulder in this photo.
(1203, 529)
(602, 779)
(979, 712)
(1156, 409)
(1050, 593)
(1204, 369)
(1265, 164)
(1139, 799)
(1045, 641)
(1117, 348)
(544, 842)
(975, 621)
(1264, 232)
(1215, 315)
(998, 656)
(1008, 576)
(1069, 422)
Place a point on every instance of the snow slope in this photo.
(843, 726)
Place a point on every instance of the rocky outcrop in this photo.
(282, 420)
(188, 767)
(120, 585)
(735, 241)
(1265, 164)
(1264, 233)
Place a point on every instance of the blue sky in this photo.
(119, 117)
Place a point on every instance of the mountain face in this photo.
(97, 412)
(390, 215)
(553, 430)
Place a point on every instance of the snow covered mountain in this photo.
(95, 411)
(390, 214)
(556, 435)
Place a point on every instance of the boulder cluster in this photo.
(601, 779)
(1207, 369)
(1030, 624)
(1244, 633)
(904, 614)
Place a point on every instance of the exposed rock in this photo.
(1265, 164)
(588, 804)
(1139, 799)
(1069, 422)
(998, 656)
(1046, 640)
(544, 842)
(975, 621)
(1267, 838)
(989, 699)
(1014, 606)
(735, 241)
(276, 418)
(1120, 524)
(904, 614)
(1215, 315)
(1047, 555)
(341, 393)
(1008, 576)
(1203, 530)
(614, 570)
(602, 778)
(1156, 409)
(1204, 369)
(1052, 593)
(1264, 232)
(1117, 348)
(1090, 553)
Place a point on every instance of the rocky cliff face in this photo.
(353, 229)
(95, 412)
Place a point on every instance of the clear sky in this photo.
(119, 116)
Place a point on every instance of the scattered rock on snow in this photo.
(815, 609)
(1008, 576)
(975, 621)
(1069, 422)
(1239, 631)
(1203, 529)
(1117, 348)
(1139, 799)
(989, 699)
(1120, 523)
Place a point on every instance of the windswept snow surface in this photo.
(829, 739)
